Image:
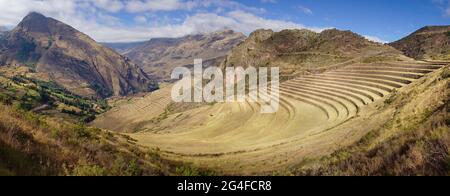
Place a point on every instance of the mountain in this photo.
(158, 57)
(300, 51)
(71, 59)
(431, 42)
(123, 48)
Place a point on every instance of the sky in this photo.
(137, 20)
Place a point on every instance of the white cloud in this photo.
(443, 5)
(157, 5)
(305, 10)
(140, 19)
(269, 1)
(109, 5)
(375, 39)
(97, 19)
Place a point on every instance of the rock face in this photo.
(431, 42)
(158, 57)
(295, 51)
(71, 59)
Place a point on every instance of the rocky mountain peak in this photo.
(71, 59)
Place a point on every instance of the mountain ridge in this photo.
(71, 58)
(159, 56)
(300, 51)
(428, 43)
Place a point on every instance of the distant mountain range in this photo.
(71, 58)
(159, 56)
(124, 48)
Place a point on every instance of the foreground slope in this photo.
(431, 42)
(71, 58)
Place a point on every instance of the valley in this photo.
(348, 105)
(319, 114)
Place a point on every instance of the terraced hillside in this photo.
(318, 113)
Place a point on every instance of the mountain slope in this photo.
(431, 42)
(298, 52)
(158, 57)
(71, 58)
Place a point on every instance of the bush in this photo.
(81, 132)
(187, 171)
(391, 97)
(192, 171)
(89, 170)
(88, 119)
(133, 169)
(446, 73)
(5, 99)
(447, 164)
(25, 106)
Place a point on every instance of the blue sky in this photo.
(135, 20)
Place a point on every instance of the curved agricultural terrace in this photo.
(318, 113)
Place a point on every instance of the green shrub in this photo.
(81, 132)
(154, 154)
(133, 169)
(446, 73)
(5, 99)
(25, 106)
(187, 171)
(89, 170)
(192, 171)
(447, 164)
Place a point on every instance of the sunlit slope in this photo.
(317, 113)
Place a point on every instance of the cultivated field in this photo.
(318, 114)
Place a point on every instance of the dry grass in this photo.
(417, 144)
(31, 144)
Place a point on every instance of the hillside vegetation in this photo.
(43, 131)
